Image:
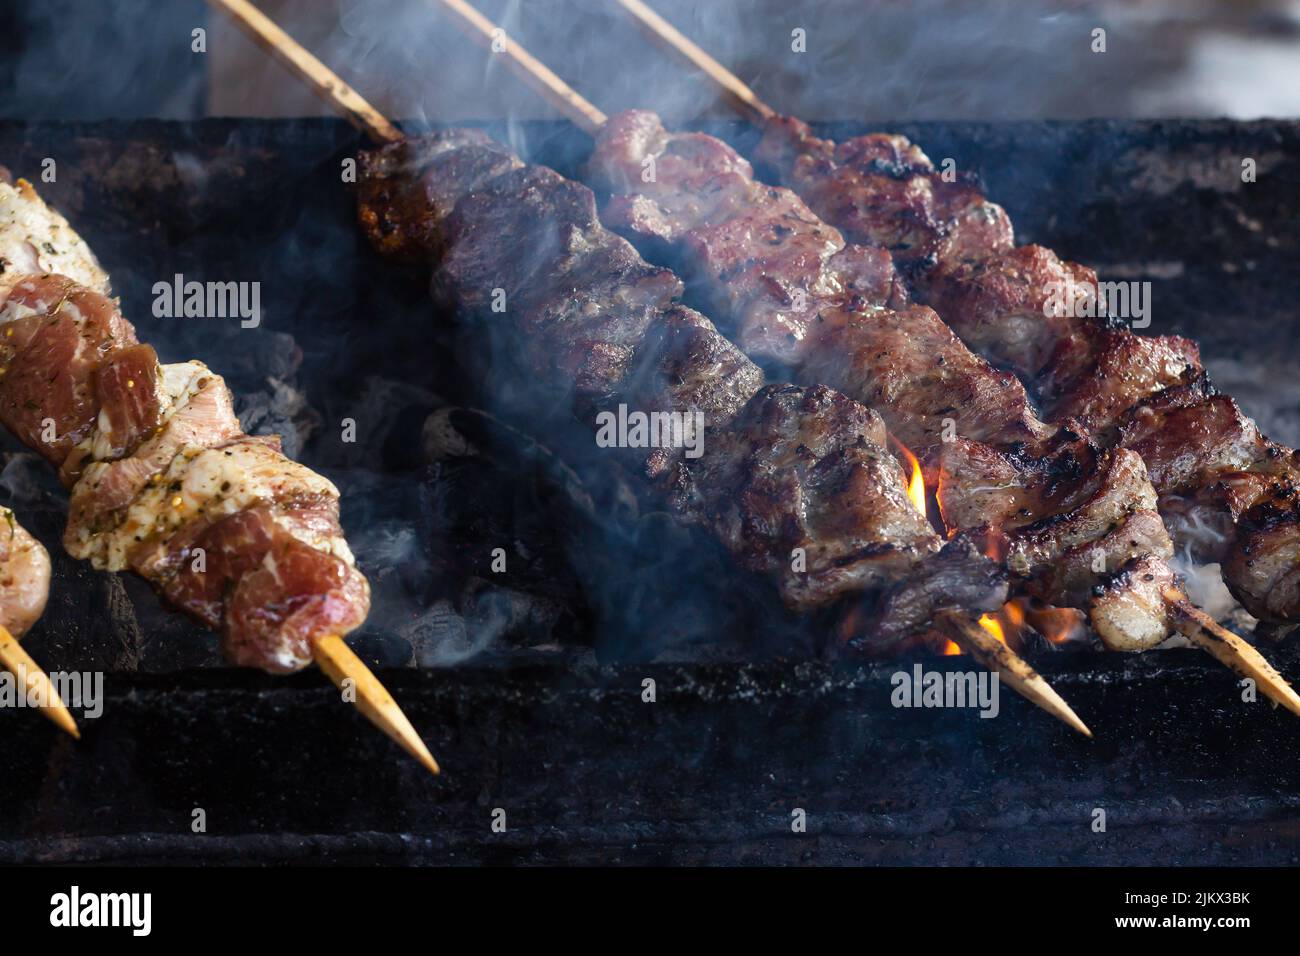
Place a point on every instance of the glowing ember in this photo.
(1014, 614)
(995, 545)
(1060, 625)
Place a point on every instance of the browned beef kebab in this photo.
(1228, 493)
(1101, 531)
(1076, 526)
(785, 470)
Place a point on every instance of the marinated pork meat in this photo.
(24, 576)
(163, 480)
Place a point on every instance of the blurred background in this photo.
(872, 60)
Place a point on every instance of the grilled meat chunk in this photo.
(35, 240)
(804, 472)
(24, 576)
(1098, 383)
(272, 577)
(957, 578)
(795, 482)
(1065, 526)
(1129, 611)
(406, 189)
(910, 367)
(882, 190)
(756, 246)
(1117, 488)
(55, 334)
(161, 474)
(1227, 493)
(794, 293)
(1262, 572)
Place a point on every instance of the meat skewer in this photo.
(799, 297)
(163, 480)
(700, 198)
(24, 590)
(795, 469)
(1228, 493)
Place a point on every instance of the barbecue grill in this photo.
(530, 682)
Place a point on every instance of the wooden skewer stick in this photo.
(340, 664)
(333, 656)
(324, 83)
(1010, 667)
(1229, 649)
(535, 74)
(1017, 673)
(18, 662)
(668, 36)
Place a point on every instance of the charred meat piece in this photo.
(407, 188)
(1262, 571)
(805, 470)
(882, 190)
(1099, 383)
(910, 367)
(1065, 526)
(957, 578)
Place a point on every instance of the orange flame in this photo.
(916, 486)
(993, 626)
(915, 483)
(1010, 615)
(1014, 613)
(995, 545)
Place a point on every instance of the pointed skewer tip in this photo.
(17, 661)
(1229, 649)
(339, 663)
(1010, 667)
